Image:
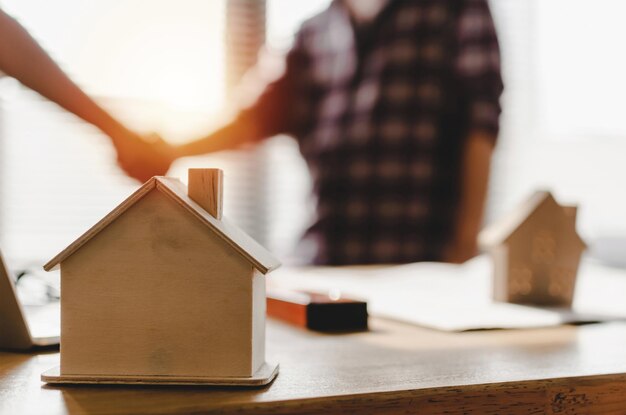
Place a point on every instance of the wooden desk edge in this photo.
(597, 394)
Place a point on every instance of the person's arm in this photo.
(281, 108)
(474, 183)
(478, 69)
(22, 58)
(228, 137)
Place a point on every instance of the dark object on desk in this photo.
(316, 311)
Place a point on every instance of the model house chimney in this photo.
(571, 212)
(205, 188)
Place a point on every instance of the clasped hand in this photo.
(143, 157)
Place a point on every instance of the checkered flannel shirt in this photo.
(380, 113)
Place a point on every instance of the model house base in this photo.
(265, 375)
(165, 290)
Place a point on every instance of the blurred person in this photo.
(395, 107)
(22, 58)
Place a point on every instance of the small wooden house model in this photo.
(165, 290)
(536, 252)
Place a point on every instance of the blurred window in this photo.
(159, 65)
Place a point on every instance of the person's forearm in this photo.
(474, 184)
(23, 59)
(228, 137)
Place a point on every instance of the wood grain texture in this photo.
(536, 252)
(205, 187)
(263, 376)
(156, 294)
(393, 368)
(258, 256)
(543, 248)
(146, 188)
(258, 309)
(250, 249)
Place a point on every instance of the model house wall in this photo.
(536, 252)
(165, 290)
(133, 304)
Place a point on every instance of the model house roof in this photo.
(500, 231)
(173, 188)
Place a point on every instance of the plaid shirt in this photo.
(380, 113)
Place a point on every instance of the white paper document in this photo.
(457, 297)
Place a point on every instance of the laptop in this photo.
(25, 327)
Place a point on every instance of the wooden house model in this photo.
(536, 252)
(164, 290)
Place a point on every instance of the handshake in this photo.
(142, 157)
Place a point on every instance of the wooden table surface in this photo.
(393, 368)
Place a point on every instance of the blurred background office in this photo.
(171, 66)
